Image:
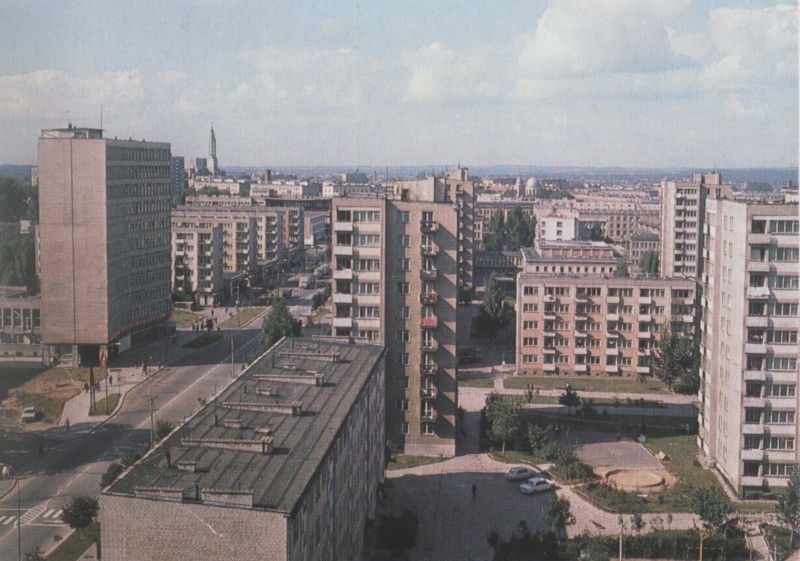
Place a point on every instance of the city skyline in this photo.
(561, 83)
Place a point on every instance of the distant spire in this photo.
(212, 144)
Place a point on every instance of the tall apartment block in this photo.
(104, 240)
(575, 318)
(197, 262)
(177, 179)
(748, 397)
(398, 262)
(284, 464)
(682, 210)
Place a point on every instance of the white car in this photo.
(30, 414)
(537, 484)
(520, 473)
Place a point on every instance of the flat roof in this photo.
(283, 378)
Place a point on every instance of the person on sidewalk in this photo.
(474, 491)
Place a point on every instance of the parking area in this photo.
(453, 525)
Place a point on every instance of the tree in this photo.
(80, 512)
(596, 232)
(621, 270)
(569, 399)
(504, 416)
(278, 324)
(537, 438)
(34, 554)
(558, 515)
(112, 472)
(789, 505)
(495, 238)
(163, 428)
(712, 506)
(674, 356)
(13, 200)
(493, 309)
(466, 292)
(649, 263)
(519, 229)
(18, 257)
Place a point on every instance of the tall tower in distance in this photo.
(104, 242)
(213, 164)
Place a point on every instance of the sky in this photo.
(632, 83)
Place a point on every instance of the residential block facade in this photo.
(749, 376)
(398, 262)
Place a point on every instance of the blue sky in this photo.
(638, 83)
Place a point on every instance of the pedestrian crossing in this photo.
(40, 514)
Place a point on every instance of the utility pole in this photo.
(19, 519)
(621, 526)
(151, 398)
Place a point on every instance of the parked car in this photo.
(30, 415)
(537, 484)
(520, 473)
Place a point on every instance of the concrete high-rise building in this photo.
(749, 351)
(177, 179)
(213, 163)
(398, 262)
(682, 210)
(104, 241)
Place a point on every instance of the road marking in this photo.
(2, 518)
(9, 521)
(31, 515)
(49, 513)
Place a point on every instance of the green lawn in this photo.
(184, 319)
(100, 405)
(402, 461)
(779, 540)
(72, 548)
(475, 383)
(585, 383)
(240, 319)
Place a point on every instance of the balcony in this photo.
(581, 351)
(581, 298)
(549, 298)
(581, 368)
(755, 376)
(612, 352)
(429, 323)
(758, 292)
(580, 333)
(612, 335)
(782, 430)
(428, 299)
(758, 266)
(755, 348)
(428, 416)
(428, 393)
(343, 250)
(753, 454)
(343, 322)
(428, 227)
(339, 298)
(343, 274)
(752, 428)
(581, 317)
(548, 333)
(429, 346)
(645, 300)
(612, 317)
(549, 350)
(644, 334)
(428, 275)
(429, 250)
(612, 369)
(342, 226)
(643, 370)
(759, 239)
(687, 318)
(613, 300)
(550, 316)
(549, 367)
(428, 369)
(645, 318)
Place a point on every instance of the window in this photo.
(370, 240)
(752, 416)
(784, 227)
(529, 359)
(530, 324)
(562, 359)
(368, 312)
(403, 287)
(782, 337)
(403, 264)
(779, 443)
(783, 282)
(781, 363)
(402, 217)
(781, 390)
(403, 240)
(402, 404)
(530, 308)
(404, 359)
(368, 334)
(366, 216)
(368, 288)
(781, 417)
(402, 336)
(402, 428)
(562, 325)
(368, 265)
(530, 341)
(427, 429)
(779, 470)
(785, 254)
(751, 469)
(783, 309)
(530, 290)
(403, 312)
(752, 442)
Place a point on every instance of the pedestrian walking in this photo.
(474, 491)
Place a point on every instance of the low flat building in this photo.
(283, 464)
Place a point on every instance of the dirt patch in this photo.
(48, 392)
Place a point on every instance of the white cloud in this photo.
(739, 108)
(586, 37)
(439, 74)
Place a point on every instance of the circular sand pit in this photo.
(635, 480)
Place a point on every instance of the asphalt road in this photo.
(74, 467)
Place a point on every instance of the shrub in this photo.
(113, 471)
